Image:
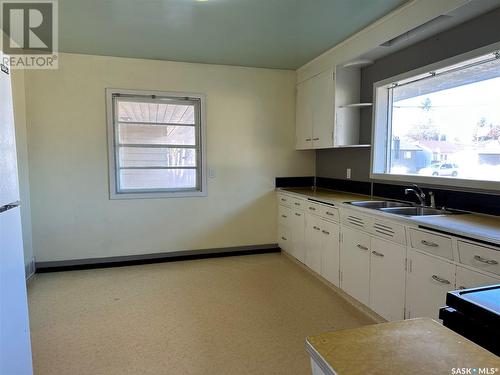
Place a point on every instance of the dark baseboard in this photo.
(134, 260)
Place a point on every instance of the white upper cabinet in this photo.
(323, 97)
(323, 116)
(303, 116)
(315, 112)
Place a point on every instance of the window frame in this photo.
(201, 168)
(382, 127)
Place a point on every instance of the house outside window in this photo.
(447, 117)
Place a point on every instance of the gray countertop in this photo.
(470, 225)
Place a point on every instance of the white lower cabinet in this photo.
(284, 239)
(330, 250)
(297, 232)
(322, 247)
(313, 238)
(387, 279)
(428, 281)
(466, 278)
(355, 261)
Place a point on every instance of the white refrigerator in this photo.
(15, 343)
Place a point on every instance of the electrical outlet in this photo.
(211, 172)
(348, 173)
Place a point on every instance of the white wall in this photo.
(18, 93)
(250, 140)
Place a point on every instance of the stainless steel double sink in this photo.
(401, 208)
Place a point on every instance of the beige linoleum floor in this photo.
(235, 316)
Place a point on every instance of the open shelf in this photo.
(356, 105)
(354, 146)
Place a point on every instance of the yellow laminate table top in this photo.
(416, 346)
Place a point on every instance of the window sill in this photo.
(158, 195)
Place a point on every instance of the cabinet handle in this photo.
(296, 214)
(283, 238)
(284, 216)
(315, 139)
(330, 213)
(326, 232)
(440, 280)
(297, 203)
(283, 199)
(316, 228)
(428, 243)
(312, 208)
(362, 247)
(484, 260)
(308, 139)
(377, 254)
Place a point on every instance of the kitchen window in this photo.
(441, 124)
(156, 144)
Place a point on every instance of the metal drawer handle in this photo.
(316, 228)
(330, 213)
(440, 280)
(284, 216)
(312, 208)
(296, 214)
(283, 199)
(315, 139)
(362, 247)
(308, 139)
(377, 254)
(283, 238)
(297, 203)
(428, 243)
(326, 232)
(484, 260)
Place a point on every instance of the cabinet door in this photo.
(355, 264)
(472, 279)
(284, 239)
(313, 256)
(428, 280)
(303, 116)
(330, 250)
(323, 107)
(387, 279)
(297, 229)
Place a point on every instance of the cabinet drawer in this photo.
(389, 231)
(481, 257)
(431, 243)
(355, 220)
(284, 200)
(297, 203)
(329, 213)
(471, 279)
(325, 211)
(284, 214)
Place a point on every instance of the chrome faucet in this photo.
(418, 192)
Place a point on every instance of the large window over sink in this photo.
(441, 124)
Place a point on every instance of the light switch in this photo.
(348, 173)
(211, 172)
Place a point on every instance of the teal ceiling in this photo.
(261, 33)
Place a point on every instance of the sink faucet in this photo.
(418, 192)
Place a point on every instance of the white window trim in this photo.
(178, 193)
(380, 128)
